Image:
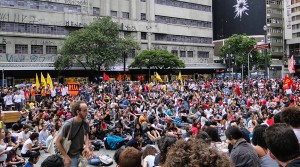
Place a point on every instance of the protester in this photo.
(80, 131)
(261, 149)
(283, 145)
(33, 159)
(129, 157)
(242, 154)
(149, 156)
(194, 153)
(291, 116)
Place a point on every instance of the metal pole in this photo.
(248, 65)
(242, 72)
(266, 60)
(124, 59)
(2, 78)
(149, 75)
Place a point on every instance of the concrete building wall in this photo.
(21, 24)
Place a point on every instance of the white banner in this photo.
(287, 19)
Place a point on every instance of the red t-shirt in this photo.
(270, 122)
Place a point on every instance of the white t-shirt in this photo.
(150, 160)
(25, 146)
(24, 136)
(17, 98)
(8, 100)
(48, 141)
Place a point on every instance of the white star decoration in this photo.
(241, 8)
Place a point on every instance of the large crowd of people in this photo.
(211, 123)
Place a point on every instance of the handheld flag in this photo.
(43, 81)
(105, 77)
(238, 90)
(157, 76)
(49, 81)
(291, 65)
(287, 83)
(120, 78)
(37, 82)
(180, 78)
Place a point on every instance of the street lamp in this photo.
(229, 57)
(265, 52)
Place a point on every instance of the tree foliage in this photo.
(240, 46)
(96, 45)
(158, 59)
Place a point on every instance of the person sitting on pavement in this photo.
(136, 141)
(17, 127)
(29, 145)
(33, 159)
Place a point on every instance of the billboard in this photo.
(238, 17)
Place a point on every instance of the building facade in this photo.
(32, 32)
(292, 8)
(262, 20)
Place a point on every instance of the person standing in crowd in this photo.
(283, 145)
(79, 137)
(149, 156)
(261, 147)
(242, 154)
(291, 116)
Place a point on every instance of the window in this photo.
(2, 48)
(143, 16)
(36, 49)
(125, 15)
(180, 21)
(186, 5)
(42, 5)
(190, 54)
(21, 49)
(202, 54)
(33, 28)
(179, 38)
(143, 35)
(182, 53)
(174, 52)
(96, 11)
(51, 49)
(113, 13)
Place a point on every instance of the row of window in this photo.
(186, 5)
(275, 40)
(173, 20)
(42, 5)
(274, 11)
(182, 53)
(126, 15)
(275, 2)
(275, 30)
(179, 38)
(274, 20)
(33, 28)
(35, 49)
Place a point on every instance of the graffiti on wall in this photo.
(4, 41)
(75, 24)
(20, 18)
(27, 58)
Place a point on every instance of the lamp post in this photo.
(124, 72)
(149, 48)
(265, 52)
(229, 58)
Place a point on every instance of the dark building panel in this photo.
(238, 17)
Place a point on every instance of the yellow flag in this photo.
(49, 81)
(158, 77)
(180, 78)
(37, 82)
(43, 81)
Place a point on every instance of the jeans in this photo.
(74, 160)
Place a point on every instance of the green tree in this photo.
(158, 59)
(240, 46)
(94, 46)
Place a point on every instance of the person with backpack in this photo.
(79, 129)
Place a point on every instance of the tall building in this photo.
(32, 32)
(292, 30)
(256, 18)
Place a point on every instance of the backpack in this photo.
(53, 160)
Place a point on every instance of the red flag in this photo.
(291, 65)
(287, 83)
(105, 77)
(238, 90)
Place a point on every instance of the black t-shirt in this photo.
(16, 127)
(149, 129)
(132, 143)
